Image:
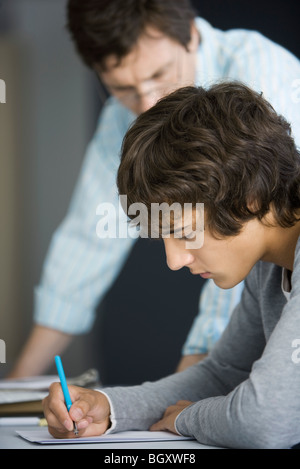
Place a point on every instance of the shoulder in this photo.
(239, 40)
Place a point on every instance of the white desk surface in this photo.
(10, 440)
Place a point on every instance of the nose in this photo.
(146, 101)
(147, 95)
(177, 256)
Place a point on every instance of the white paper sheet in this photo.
(12, 397)
(38, 383)
(43, 437)
(35, 388)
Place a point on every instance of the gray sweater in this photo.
(246, 394)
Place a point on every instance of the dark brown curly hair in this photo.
(224, 146)
(101, 28)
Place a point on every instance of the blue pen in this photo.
(64, 386)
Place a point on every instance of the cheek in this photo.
(222, 262)
(235, 268)
(229, 270)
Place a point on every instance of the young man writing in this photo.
(141, 51)
(224, 147)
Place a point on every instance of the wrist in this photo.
(112, 421)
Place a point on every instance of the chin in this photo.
(226, 284)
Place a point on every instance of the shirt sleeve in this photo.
(79, 266)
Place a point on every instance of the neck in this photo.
(282, 245)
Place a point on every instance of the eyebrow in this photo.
(154, 74)
(179, 230)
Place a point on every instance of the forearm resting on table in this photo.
(39, 350)
(189, 360)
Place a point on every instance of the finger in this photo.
(55, 409)
(58, 417)
(61, 434)
(159, 426)
(81, 408)
(92, 429)
(88, 403)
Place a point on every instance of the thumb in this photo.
(79, 409)
(91, 405)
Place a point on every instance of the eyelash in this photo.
(185, 238)
(158, 75)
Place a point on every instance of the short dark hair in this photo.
(225, 147)
(101, 28)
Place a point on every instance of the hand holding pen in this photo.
(90, 410)
(64, 386)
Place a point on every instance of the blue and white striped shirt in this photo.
(79, 267)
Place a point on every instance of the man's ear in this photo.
(195, 39)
